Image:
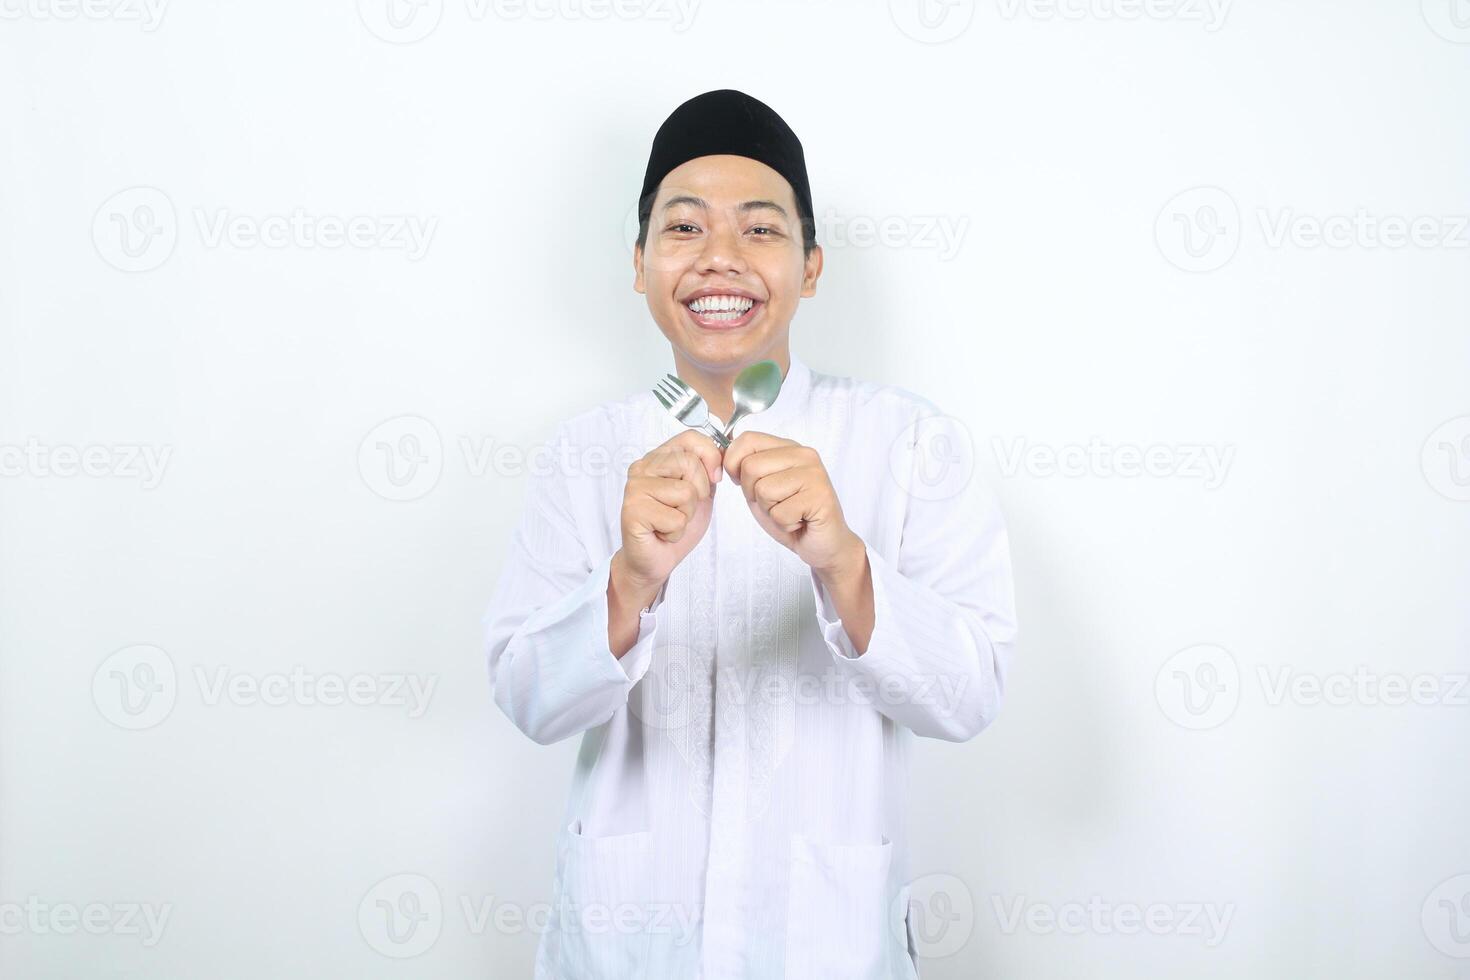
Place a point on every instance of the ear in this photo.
(812, 272)
(638, 285)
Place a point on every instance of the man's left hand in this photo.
(791, 496)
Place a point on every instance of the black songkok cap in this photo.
(727, 121)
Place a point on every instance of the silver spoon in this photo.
(755, 390)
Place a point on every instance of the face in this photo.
(722, 266)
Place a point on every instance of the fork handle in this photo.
(713, 431)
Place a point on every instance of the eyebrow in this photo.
(744, 208)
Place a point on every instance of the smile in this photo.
(722, 312)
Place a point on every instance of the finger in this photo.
(773, 488)
(669, 491)
(747, 443)
(759, 465)
(704, 448)
(690, 455)
(667, 523)
(791, 513)
(679, 463)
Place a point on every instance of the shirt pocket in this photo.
(838, 919)
(602, 904)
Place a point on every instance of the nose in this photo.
(721, 253)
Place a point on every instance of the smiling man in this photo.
(746, 641)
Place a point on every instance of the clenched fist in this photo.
(792, 498)
(667, 504)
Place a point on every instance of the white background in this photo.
(1071, 317)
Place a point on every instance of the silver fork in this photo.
(687, 405)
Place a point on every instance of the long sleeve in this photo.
(944, 616)
(546, 638)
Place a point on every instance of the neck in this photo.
(717, 385)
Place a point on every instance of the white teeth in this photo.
(722, 304)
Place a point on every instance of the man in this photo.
(745, 641)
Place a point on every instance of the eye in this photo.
(683, 227)
(766, 231)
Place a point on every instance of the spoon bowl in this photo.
(755, 390)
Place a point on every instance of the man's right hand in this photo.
(667, 504)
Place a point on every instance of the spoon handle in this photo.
(735, 416)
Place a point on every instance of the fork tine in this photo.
(662, 398)
(677, 382)
(672, 393)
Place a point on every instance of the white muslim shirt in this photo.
(738, 804)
